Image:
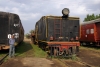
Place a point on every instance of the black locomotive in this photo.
(60, 33)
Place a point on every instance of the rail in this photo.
(2, 59)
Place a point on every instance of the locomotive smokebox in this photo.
(65, 12)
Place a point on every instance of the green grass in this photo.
(26, 49)
(39, 52)
(3, 53)
(23, 48)
(75, 58)
(97, 49)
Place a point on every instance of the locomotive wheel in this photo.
(70, 51)
(65, 52)
(83, 43)
(77, 49)
(56, 51)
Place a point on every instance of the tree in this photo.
(99, 15)
(85, 19)
(88, 17)
(32, 31)
(91, 17)
(27, 35)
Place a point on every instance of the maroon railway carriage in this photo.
(59, 33)
(90, 32)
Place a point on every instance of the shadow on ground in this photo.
(92, 46)
(23, 47)
(4, 51)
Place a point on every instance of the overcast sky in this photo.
(30, 11)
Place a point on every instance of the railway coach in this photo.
(60, 34)
(10, 23)
(90, 32)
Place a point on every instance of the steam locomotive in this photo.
(58, 34)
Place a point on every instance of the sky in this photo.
(30, 11)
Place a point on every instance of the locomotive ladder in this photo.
(57, 28)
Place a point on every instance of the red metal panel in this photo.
(82, 33)
(65, 43)
(97, 35)
(90, 36)
(87, 36)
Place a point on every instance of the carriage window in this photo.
(92, 31)
(87, 31)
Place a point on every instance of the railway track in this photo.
(2, 59)
(87, 65)
(83, 63)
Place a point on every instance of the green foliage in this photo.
(31, 31)
(99, 15)
(27, 35)
(38, 52)
(91, 17)
(73, 57)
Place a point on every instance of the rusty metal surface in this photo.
(57, 27)
(65, 43)
(10, 23)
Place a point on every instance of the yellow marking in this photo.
(60, 17)
(46, 27)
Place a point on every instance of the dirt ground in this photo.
(27, 40)
(85, 57)
(71, 63)
(91, 57)
(31, 62)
